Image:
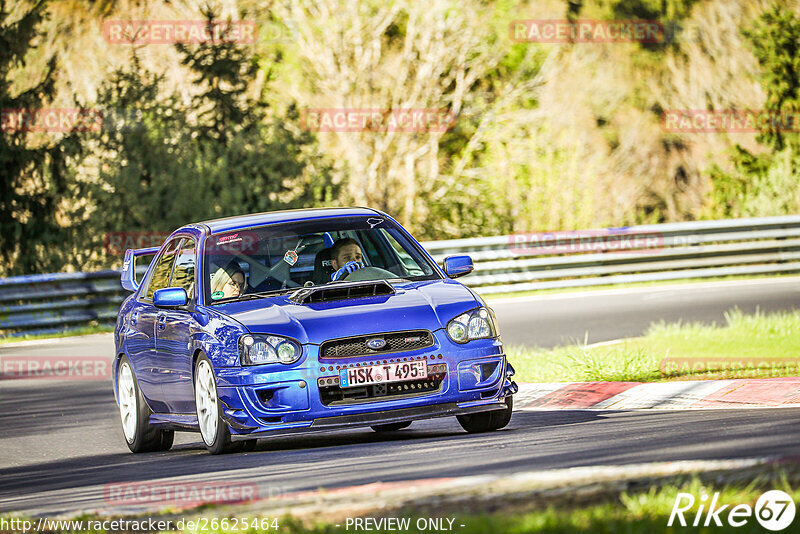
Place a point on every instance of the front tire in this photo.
(487, 421)
(140, 435)
(213, 429)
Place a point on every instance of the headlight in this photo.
(256, 349)
(475, 324)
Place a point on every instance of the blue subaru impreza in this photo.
(301, 321)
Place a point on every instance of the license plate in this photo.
(379, 374)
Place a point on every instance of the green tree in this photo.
(164, 162)
(34, 181)
(767, 183)
(775, 42)
(255, 159)
(145, 156)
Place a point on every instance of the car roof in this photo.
(273, 217)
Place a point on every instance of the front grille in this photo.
(395, 342)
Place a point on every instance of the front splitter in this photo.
(343, 422)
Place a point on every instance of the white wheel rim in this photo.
(127, 402)
(205, 395)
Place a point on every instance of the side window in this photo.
(183, 273)
(159, 277)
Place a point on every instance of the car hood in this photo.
(418, 305)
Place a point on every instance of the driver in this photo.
(346, 257)
(228, 281)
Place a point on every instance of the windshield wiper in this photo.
(262, 294)
(250, 296)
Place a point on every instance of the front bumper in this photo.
(343, 422)
(270, 401)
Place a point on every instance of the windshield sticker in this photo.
(372, 222)
(216, 295)
(290, 257)
(236, 243)
(228, 238)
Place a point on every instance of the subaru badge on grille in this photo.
(376, 343)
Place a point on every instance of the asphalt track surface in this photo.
(605, 315)
(61, 443)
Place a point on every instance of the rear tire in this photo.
(487, 421)
(213, 429)
(391, 427)
(140, 435)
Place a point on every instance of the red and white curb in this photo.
(695, 394)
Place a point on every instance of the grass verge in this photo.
(83, 331)
(634, 513)
(748, 346)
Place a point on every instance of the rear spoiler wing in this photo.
(129, 266)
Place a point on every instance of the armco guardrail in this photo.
(503, 264)
(659, 252)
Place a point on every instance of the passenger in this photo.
(346, 257)
(228, 281)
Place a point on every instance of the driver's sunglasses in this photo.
(234, 283)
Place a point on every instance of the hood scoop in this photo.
(342, 291)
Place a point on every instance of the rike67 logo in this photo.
(774, 510)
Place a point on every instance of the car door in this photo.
(142, 344)
(174, 329)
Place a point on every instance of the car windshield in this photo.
(278, 258)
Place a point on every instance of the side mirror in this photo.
(455, 266)
(170, 297)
